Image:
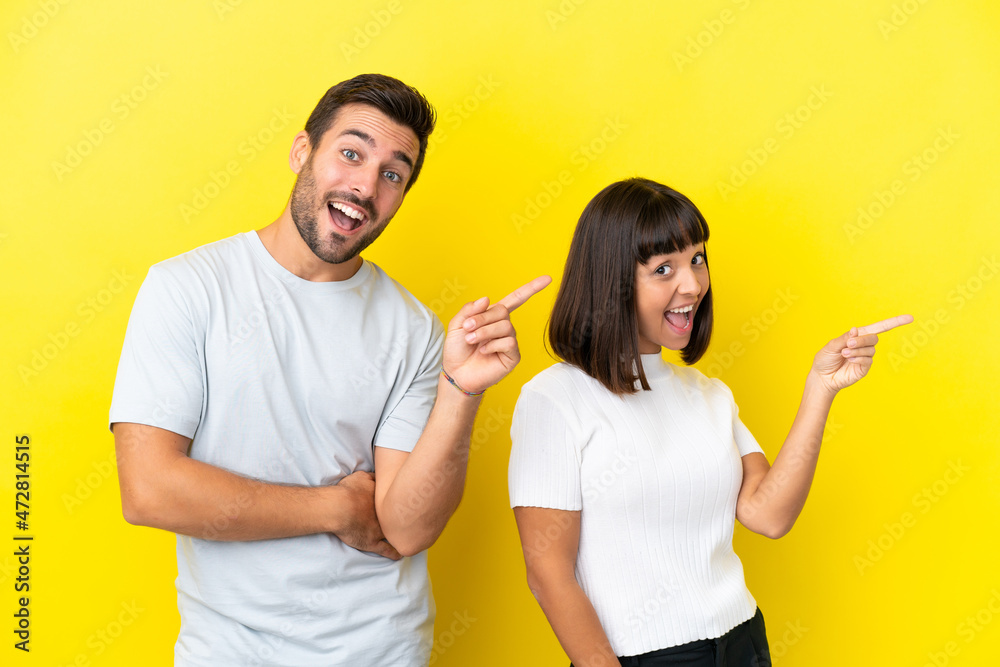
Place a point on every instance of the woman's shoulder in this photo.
(563, 384)
(559, 377)
(693, 379)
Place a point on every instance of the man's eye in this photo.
(349, 154)
(392, 176)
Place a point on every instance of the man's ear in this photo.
(300, 152)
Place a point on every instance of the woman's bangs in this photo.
(667, 226)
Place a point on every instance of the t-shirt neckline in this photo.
(274, 267)
(654, 365)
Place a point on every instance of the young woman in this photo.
(627, 472)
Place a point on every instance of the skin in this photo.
(343, 167)
(664, 282)
(363, 160)
(770, 498)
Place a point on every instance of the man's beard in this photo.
(335, 248)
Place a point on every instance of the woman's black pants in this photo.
(743, 646)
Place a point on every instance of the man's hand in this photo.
(360, 527)
(481, 345)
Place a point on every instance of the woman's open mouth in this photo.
(680, 319)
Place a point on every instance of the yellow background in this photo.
(691, 94)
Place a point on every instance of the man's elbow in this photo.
(408, 544)
(134, 514)
(141, 508)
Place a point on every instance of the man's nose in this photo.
(365, 182)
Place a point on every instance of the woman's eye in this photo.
(699, 258)
(349, 154)
(392, 176)
(662, 270)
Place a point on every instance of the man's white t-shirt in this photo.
(287, 381)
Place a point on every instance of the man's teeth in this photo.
(348, 211)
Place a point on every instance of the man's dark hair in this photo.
(594, 323)
(400, 102)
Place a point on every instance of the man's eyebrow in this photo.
(368, 139)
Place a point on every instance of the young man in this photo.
(266, 377)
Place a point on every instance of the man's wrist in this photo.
(329, 509)
(447, 376)
(449, 395)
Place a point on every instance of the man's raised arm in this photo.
(417, 492)
(162, 487)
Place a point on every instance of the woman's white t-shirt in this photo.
(655, 475)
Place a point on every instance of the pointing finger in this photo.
(525, 292)
(885, 325)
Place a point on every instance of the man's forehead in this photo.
(367, 122)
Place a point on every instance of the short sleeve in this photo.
(745, 441)
(407, 418)
(160, 380)
(545, 456)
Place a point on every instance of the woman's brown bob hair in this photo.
(594, 324)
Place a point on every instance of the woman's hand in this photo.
(846, 359)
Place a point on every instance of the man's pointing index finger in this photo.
(525, 292)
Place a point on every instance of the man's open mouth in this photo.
(346, 217)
